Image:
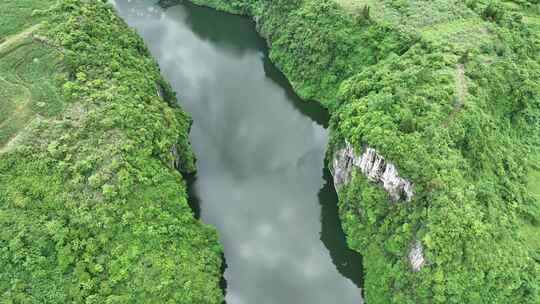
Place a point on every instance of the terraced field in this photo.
(28, 70)
(467, 32)
(436, 21)
(414, 13)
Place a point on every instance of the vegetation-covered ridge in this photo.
(92, 206)
(448, 92)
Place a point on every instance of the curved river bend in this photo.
(261, 179)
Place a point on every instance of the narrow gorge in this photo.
(261, 179)
(270, 151)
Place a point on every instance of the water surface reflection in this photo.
(261, 179)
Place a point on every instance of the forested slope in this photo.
(93, 210)
(93, 207)
(447, 94)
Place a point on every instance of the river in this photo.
(260, 177)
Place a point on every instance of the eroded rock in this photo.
(416, 256)
(342, 165)
(175, 162)
(374, 167)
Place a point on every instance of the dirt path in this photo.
(462, 91)
(17, 37)
(5, 45)
(10, 144)
(462, 88)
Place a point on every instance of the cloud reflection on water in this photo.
(260, 159)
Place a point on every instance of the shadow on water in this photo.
(235, 35)
(195, 203)
(193, 200)
(219, 28)
(232, 35)
(311, 109)
(348, 262)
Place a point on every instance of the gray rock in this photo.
(374, 167)
(175, 162)
(416, 256)
(342, 165)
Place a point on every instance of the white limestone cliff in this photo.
(374, 167)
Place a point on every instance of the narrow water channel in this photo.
(261, 178)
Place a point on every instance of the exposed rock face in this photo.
(416, 256)
(374, 167)
(175, 162)
(159, 91)
(342, 165)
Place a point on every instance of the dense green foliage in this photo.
(449, 92)
(92, 211)
(302, 44)
(91, 208)
(468, 161)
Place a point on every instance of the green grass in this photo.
(16, 15)
(533, 21)
(378, 9)
(531, 231)
(534, 177)
(465, 32)
(28, 88)
(414, 13)
(439, 21)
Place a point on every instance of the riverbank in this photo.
(262, 185)
(92, 209)
(432, 116)
(93, 148)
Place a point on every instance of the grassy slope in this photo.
(449, 93)
(28, 87)
(531, 227)
(26, 71)
(17, 15)
(534, 177)
(91, 210)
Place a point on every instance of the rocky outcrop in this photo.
(374, 167)
(342, 165)
(175, 162)
(416, 256)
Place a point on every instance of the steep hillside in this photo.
(434, 107)
(435, 120)
(92, 206)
